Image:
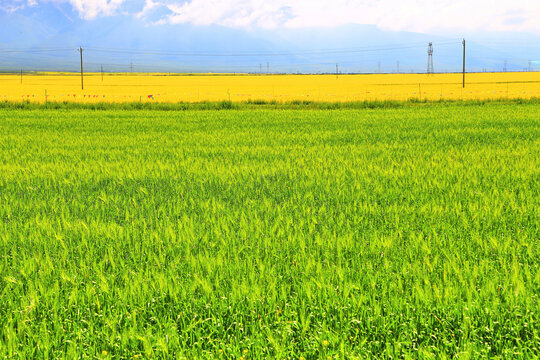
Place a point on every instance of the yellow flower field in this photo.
(327, 88)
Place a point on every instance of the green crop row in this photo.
(408, 232)
(256, 104)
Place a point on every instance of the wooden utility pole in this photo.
(101, 73)
(82, 73)
(337, 70)
(463, 62)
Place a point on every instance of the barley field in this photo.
(248, 234)
(281, 88)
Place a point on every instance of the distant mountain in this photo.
(55, 31)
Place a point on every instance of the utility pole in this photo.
(337, 70)
(267, 67)
(101, 73)
(397, 67)
(430, 69)
(505, 65)
(82, 73)
(464, 63)
(131, 67)
(530, 66)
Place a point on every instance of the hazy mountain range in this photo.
(50, 34)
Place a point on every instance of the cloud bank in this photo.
(405, 15)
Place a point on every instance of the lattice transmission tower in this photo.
(430, 59)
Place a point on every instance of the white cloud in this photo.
(149, 6)
(232, 13)
(90, 9)
(407, 15)
(14, 5)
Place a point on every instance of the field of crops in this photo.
(249, 234)
(279, 88)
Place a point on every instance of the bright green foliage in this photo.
(406, 232)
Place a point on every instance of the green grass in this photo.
(257, 104)
(378, 233)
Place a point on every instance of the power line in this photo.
(31, 50)
(330, 54)
(316, 60)
(250, 54)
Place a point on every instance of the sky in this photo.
(371, 35)
(436, 16)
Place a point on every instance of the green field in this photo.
(258, 233)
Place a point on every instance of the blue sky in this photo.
(436, 16)
(378, 33)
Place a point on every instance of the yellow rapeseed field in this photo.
(205, 87)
